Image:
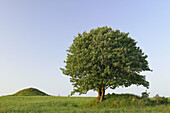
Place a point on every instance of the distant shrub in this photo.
(145, 95)
(160, 100)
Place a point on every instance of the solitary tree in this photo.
(104, 58)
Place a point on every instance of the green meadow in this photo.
(54, 104)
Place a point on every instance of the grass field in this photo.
(52, 104)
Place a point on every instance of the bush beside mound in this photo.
(129, 100)
(30, 92)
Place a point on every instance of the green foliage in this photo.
(160, 100)
(30, 92)
(130, 100)
(105, 58)
(145, 95)
(122, 100)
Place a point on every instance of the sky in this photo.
(35, 34)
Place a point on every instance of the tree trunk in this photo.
(101, 93)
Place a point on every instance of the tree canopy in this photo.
(104, 58)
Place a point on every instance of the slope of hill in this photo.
(30, 92)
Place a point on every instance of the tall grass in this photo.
(52, 104)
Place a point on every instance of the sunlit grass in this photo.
(52, 104)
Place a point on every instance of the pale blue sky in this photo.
(35, 34)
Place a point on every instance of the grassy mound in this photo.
(30, 92)
(128, 100)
